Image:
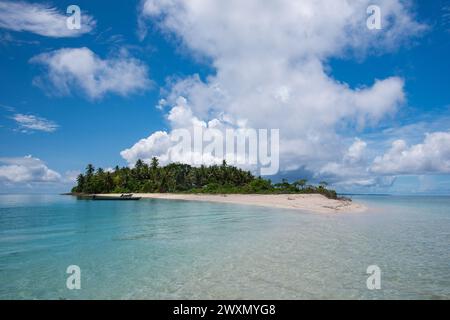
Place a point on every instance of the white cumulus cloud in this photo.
(164, 145)
(42, 19)
(26, 170)
(72, 70)
(430, 156)
(353, 170)
(353, 163)
(271, 72)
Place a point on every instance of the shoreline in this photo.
(305, 202)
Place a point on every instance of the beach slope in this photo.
(305, 202)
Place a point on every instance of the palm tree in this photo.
(90, 170)
(155, 163)
(139, 164)
(80, 183)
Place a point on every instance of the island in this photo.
(216, 183)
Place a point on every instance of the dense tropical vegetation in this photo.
(183, 178)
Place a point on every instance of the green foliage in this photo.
(260, 185)
(183, 178)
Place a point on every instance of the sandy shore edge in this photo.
(305, 202)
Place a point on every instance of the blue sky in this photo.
(65, 127)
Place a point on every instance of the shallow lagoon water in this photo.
(160, 249)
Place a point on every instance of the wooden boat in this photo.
(124, 197)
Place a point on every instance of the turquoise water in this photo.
(159, 249)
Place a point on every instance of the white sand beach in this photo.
(306, 202)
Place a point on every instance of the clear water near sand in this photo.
(159, 249)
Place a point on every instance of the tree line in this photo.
(183, 178)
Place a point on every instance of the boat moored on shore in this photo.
(123, 197)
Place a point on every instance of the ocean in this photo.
(163, 249)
